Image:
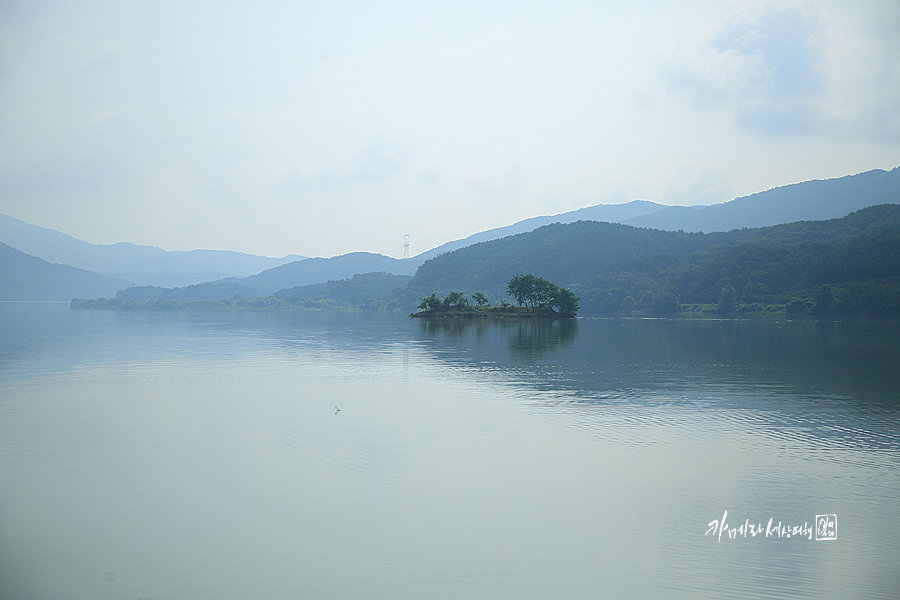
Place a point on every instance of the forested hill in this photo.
(840, 266)
(562, 253)
(607, 263)
(364, 289)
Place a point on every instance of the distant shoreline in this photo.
(266, 303)
(489, 312)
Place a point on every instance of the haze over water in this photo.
(195, 455)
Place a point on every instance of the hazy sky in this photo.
(324, 128)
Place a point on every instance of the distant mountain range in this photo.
(294, 274)
(141, 265)
(808, 201)
(573, 254)
(844, 266)
(204, 271)
(610, 213)
(25, 277)
(320, 270)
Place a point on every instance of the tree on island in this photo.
(528, 290)
(565, 301)
(455, 299)
(480, 299)
(533, 291)
(431, 302)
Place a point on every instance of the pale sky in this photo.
(325, 128)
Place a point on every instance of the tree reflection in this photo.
(526, 339)
(532, 339)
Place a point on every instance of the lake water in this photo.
(200, 455)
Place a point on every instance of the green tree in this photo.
(727, 298)
(480, 299)
(455, 299)
(544, 292)
(522, 287)
(664, 304)
(537, 291)
(430, 302)
(565, 301)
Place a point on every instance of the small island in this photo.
(537, 299)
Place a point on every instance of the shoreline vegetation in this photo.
(868, 299)
(273, 303)
(500, 313)
(490, 312)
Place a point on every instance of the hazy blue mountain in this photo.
(144, 265)
(320, 270)
(25, 277)
(147, 265)
(808, 201)
(611, 213)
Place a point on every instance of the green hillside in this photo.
(563, 253)
(359, 290)
(841, 266)
(201, 291)
(619, 269)
(320, 270)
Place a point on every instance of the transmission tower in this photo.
(405, 245)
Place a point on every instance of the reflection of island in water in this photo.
(526, 339)
(855, 358)
(822, 379)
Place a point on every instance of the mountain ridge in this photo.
(813, 200)
(30, 278)
(152, 266)
(144, 265)
(778, 206)
(610, 213)
(321, 270)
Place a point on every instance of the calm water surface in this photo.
(198, 455)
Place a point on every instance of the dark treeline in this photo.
(842, 267)
(370, 290)
(216, 290)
